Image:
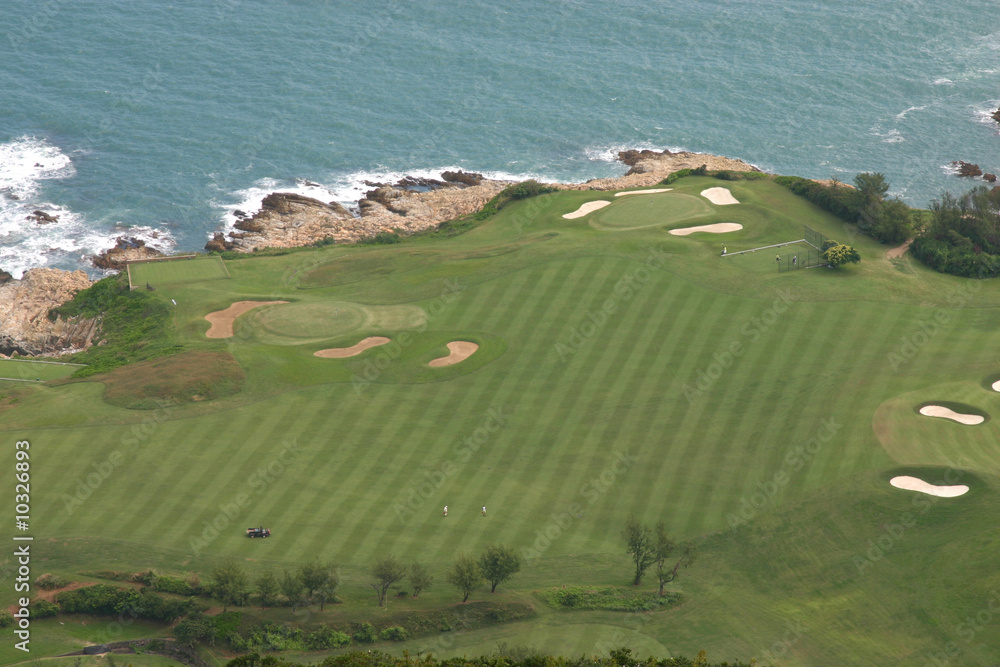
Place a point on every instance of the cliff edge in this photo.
(24, 307)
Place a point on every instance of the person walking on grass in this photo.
(446, 510)
(484, 510)
(777, 259)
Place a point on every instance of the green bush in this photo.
(50, 581)
(677, 175)
(516, 192)
(175, 585)
(609, 598)
(326, 637)
(842, 201)
(104, 599)
(394, 634)
(6, 619)
(43, 609)
(365, 634)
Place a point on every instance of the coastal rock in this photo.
(5, 277)
(219, 243)
(126, 249)
(967, 169)
(24, 306)
(996, 115)
(463, 177)
(42, 218)
(990, 178)
(285, 220)
(633, 157)
(651, 167)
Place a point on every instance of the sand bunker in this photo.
(719, 196)
(643, 192)
(222, 320)
(914, 484)
(460, 351)
(996, 385)
(717, 228)
(941, 411)
(589, 207)
(352, 351)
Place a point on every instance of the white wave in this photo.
(942, 81)
(984, 114)
(26, 161)
(893, 137)
(610, 153)
(901, 115)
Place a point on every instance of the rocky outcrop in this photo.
(967, 169)
(996, 115)
(990, 178)
(463, 177)
(24, 307)
(42, 218)
(651, 167)
(5, 277)
(126, 249)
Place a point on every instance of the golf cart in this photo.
(258, 532)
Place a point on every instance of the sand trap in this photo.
(352, 351)
(222, 320)
(643, 192)
(719, 196)
(460, 351)
(914, 484)
(941, 411)
(996, 385)
(589, 207)
(717, 228)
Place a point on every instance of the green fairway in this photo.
(14, 369)
(170, 272)
(638, 211)
(758, 413)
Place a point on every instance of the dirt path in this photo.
(898, 251)
(222, 320)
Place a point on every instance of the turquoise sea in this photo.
(159, 118)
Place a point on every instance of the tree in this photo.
(230, 583)
(419, 578)
(293, 588)
(499, 563)
(385, 572)
(664, 546)
(841, 254)
(465, 575)
(328, 587)
(195, 628)
(893, 222)
(267, 588)
(872, 187)
(639, 545)
(313, 576)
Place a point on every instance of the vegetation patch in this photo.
(135, 325)
(188, 377)
(608, 598)
(516, 192)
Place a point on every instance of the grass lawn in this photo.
(16, 369)
(171, 272)
(620, 371)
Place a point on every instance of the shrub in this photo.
(395, 634)
(104, 599)
(843, 202)
(610, 598)
(365, 634)
(43, 609)
(516, 192)
(6, 619)
(175, 585)
(326, 637)
(677, 175)
(50, 581)
(841, 254)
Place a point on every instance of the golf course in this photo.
(585, 369)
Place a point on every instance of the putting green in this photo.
(300, 323)
(650, 211)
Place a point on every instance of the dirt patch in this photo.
(717, 228)
(354, 350)
(948, 413)
(222, 320)
(589, 207)
(460, 351)
(719, 196)
(914, 484)
(898, 251)
(643, 192)
(187, 377)
(50, 595)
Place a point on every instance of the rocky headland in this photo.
(25, 328)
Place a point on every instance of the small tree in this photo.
(313, 576)
(872, 187)
(663, 548)
(267, 588)
(385, 572)
(230, 583)
(499, 563)
(328, 587)
(293, 588)
(841, 254)
(639, 545)
(465, 575)
(420, 578)
(195, 628)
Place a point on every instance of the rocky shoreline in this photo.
(288, 220)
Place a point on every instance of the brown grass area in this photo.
(188, 377)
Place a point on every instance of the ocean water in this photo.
(159, 119)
